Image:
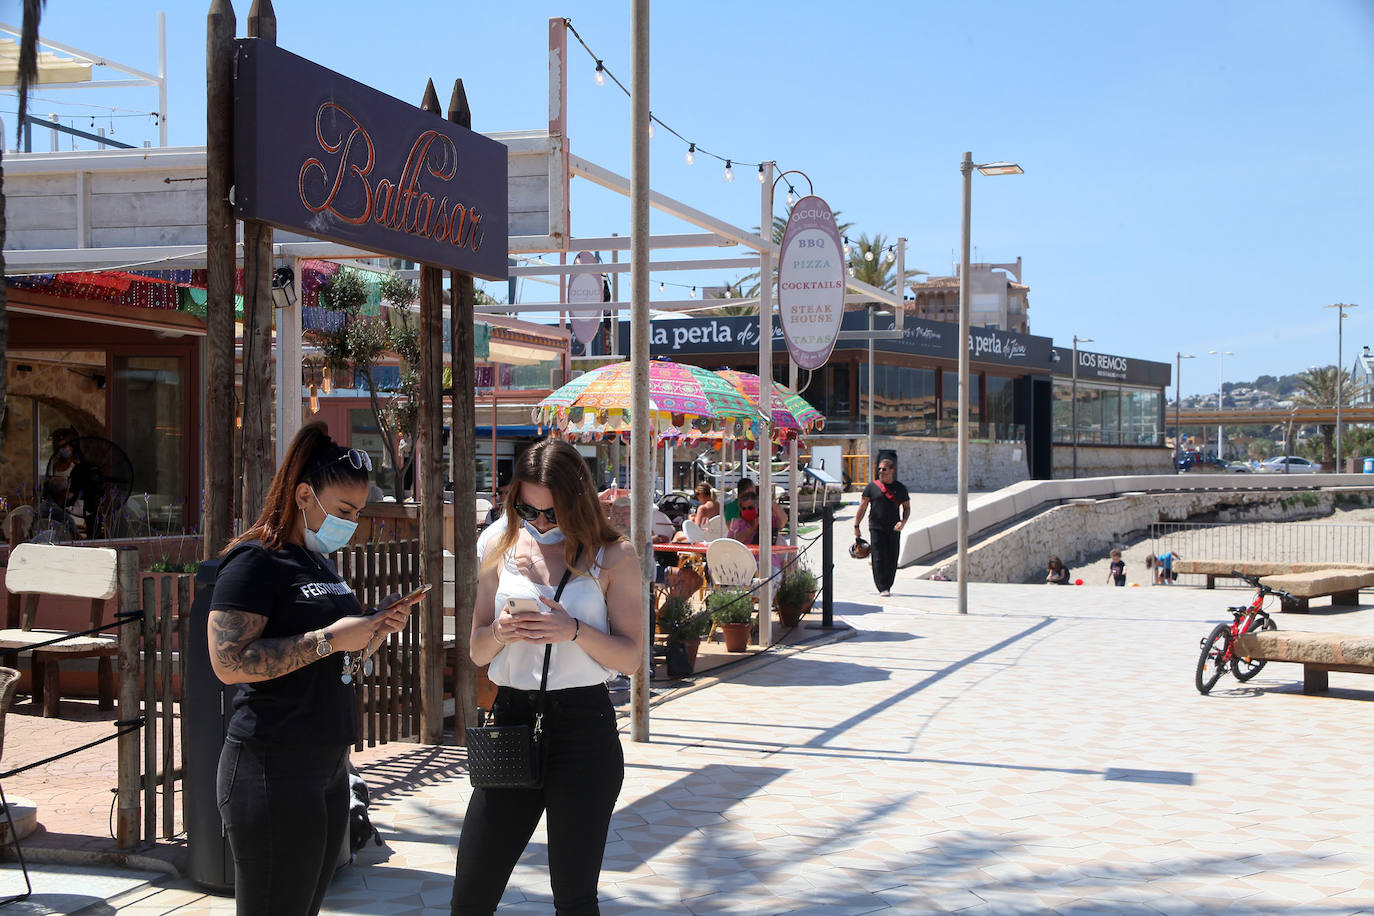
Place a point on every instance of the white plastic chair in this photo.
(730, 563)
(663, 525)
(715, 528)
(695, 533)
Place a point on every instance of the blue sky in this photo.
(1196, 173)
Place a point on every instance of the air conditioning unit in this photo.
(556, 379)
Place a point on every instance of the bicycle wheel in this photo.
(1246, 668)
(1216, 650)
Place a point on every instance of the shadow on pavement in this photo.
(804, 672)
(886, 636)
(853, 607)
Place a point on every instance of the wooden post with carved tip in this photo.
(430, 485)
(463, 442)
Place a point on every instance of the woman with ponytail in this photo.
(286, 627)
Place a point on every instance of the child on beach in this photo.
(1163, 566)
(1117, 573)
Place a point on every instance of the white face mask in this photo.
(333, 534)
(554, 535)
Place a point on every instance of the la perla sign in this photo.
(811, 283)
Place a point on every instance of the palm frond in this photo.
(28, 57)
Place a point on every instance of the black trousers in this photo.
(285, 808)
(883, 544)
(583, 771)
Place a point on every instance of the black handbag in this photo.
(511, 756)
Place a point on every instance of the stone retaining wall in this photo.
(1085, 531)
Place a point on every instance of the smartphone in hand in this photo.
(517, 606)
(407, 599)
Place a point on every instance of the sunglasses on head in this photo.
(530, 513)
(358, 458)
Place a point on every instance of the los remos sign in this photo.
(811, 283)
(323, 155)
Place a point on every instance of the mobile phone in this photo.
(517, 606)
(421, 590)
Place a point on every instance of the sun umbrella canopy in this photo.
(792, 415)
(679, 395)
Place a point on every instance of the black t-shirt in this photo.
(883, 513)
(297, 591)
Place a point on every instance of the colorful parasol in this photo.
(792, 415)
(597, 403)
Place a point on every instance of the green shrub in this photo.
(730, 605)
(798, 584)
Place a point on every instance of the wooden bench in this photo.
(1318, 653)
(37, 570)
(1343, 585)
(1221, 569)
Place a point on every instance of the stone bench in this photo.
(1343, 585)
(1318, 653)
(1221, 569)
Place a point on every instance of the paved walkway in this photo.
(1047, 752)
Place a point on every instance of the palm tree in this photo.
(28, 74)
(1317, 388)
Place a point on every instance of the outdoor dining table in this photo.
(699, 547)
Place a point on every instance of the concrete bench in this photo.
(1318, 653)
(1221, 569)
(1343, 585)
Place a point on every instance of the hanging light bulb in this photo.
(314, 399)
(651, 125)
(791, 195)
(691, 153)
(891, 255)
(851, 271)
(238, 414)
(328, 380)
(693, 293)
(729, 172)
(600, 73)
(868, 255)
(660, 286)
(761, 179)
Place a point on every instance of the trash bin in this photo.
(1368, 466)
(205, 713)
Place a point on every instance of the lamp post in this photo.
(1179, 357)
(966, 168)
(1221, 380)
(1340, 308)
(1076, 341)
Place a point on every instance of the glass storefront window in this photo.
(1108, 414)
(149, 393)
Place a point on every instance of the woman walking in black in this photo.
(555, 525)
(285, 626)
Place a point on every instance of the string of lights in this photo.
(603, 73)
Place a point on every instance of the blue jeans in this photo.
(285, 808)
(584, 768)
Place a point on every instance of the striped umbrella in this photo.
(598, 402)
(792, 415)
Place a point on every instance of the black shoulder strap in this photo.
(548, 650)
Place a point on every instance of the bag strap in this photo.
(886, 492)
(548, 653)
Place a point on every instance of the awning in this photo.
(527, 431)
(514, 354)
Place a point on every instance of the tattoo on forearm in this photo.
(236, 646)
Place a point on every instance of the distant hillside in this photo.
(1282, 386)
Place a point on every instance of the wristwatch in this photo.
(322, 646)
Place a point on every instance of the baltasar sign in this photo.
(811, 283)
(320, 154)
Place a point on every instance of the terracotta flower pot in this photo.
(693, 645)
(791, 614)
(736, 636)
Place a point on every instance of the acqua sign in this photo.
(323, 155)
(811, 283)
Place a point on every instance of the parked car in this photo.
(1238, 467)
(1291, 464)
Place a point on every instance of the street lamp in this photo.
(966, 168)
(1179, 357)
(1221, 380)
(1340, 308)
(1076, 341)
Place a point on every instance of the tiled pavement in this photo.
(1048, 752)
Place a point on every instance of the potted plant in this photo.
(684, 626)
(733, 609)
(796, 591)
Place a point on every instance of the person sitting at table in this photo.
(745, 529)
(731, 508)
(707, 506)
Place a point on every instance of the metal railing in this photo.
(1265, 542)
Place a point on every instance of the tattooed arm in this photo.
(239, 656)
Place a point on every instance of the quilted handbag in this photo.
(510, 756)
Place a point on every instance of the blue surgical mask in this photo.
(552, 536)
(333, 534)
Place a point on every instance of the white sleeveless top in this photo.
(520, 664)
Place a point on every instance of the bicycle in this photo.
(1217, 654)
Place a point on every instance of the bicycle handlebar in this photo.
(1254, 582)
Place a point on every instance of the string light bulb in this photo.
(891, 255)
(328, 380)
(729, 172)
(600, 73)
(651, 125)
(691, 156)
(314, 399)
(693, 293)
(761, 178)
(660, 286)
(868, 255)
(791, 195)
